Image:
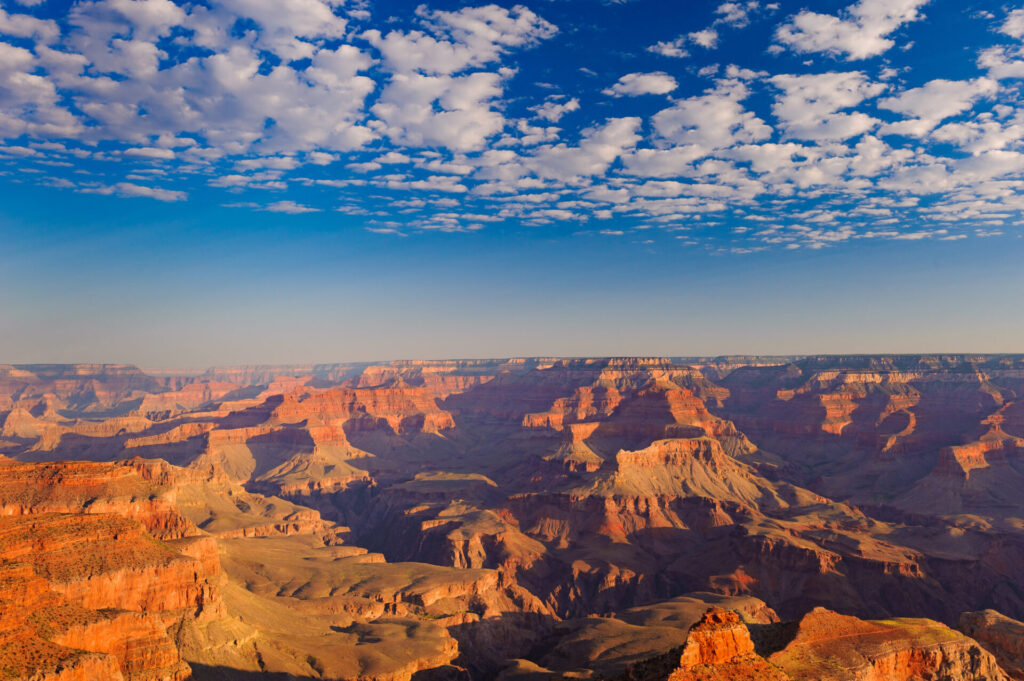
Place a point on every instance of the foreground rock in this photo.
(90, 595)
(1000, 635)
(719, 647)
(822, 646)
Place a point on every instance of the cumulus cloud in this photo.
(430, 121)
(553, 110)
(736, 13)
(706, 38)
(810, 106)
(128, 189)
(1014, 24)
(289, 207)
(670, 48)
(862, 30)
(29, 102)
(1006, 61)
(631, 84)
(728, 15)
(426, 103)
(27, 26)
(935, 101)
(149, 152)
(444, 111)
(470, 37)
(711, 121)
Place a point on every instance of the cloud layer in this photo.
(826, 131)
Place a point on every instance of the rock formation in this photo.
(513, 517)
(1000, 635)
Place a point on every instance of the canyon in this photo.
(820, 517)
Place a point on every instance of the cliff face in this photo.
(457, 513)
(89, 587)
(719, 647)
(99, 584)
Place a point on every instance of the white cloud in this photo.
(226, 97)
(478, 36)
(984, 133)
(366, 167)
(631, 84)
(553, 110)
(809, 105)
(930, 104)
(670, 48)
(712, 121)
(1002, 62)
(150, 153)
(27, 26)
(425, 104)
(455, 112)
(1014, 24)
(29, 102)
(272, 162)
(598, 149)
(289, 207)
(861, 31)
(670, 162)
(320, 158)
(434, 183)
(128, 189)
(706, 38)
(736, 13)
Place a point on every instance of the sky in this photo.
(184, 184)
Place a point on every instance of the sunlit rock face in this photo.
(470, 519)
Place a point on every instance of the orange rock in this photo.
(719, 648)
(1000, 635)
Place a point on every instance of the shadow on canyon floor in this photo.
(201, 672)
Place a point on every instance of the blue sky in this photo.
(312, 180)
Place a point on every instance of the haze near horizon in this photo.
(194, 184)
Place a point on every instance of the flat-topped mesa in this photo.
(980, 477)
(81, 387)
(404, 409)
(833, 647)
(688, 467)
(638, 362)
(44, 372)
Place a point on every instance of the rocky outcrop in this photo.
(1000, 635)
(88, 590)
(718, 647)
(822, 646)
(833, 647)
(132, 489)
